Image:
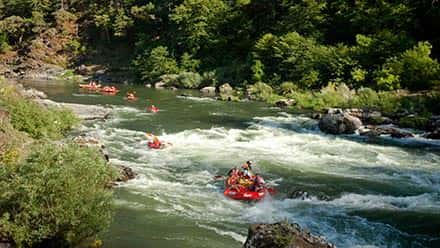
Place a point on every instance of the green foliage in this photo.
(156, 63)
(415, 68)
(416, 122)
(198, 20)
(188, 63)
(31, 118)
(288, 88)
(142, 12)
(15, 27)
(187, 80)
(57, 195)
(38, 122)
(263, 92)
(303, 16)
(295, 58)
(258, 71)
(384, 101)
(4, 46)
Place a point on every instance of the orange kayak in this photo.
(107, 89)
(88, 86)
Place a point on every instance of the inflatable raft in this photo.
(88, 86)
(152, 145)
(245, 194)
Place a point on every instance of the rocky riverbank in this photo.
(374, 123)
(84, 113)
(283, 235)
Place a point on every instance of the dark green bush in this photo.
(416, 122)
(57, 195)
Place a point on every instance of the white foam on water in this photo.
(236, 236)
(179, 179)
(198, 99)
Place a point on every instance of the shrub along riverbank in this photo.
(53, 193)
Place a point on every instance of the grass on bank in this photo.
(339, 95)
(29, 117)
(53, 194)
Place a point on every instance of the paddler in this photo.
(156, 142)
(247, 169)
(258, 183)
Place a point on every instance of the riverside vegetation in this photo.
(369, 54)
(302, 50)
(53, 193)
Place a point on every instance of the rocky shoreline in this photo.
(372, 124)
(85, 113)
(283, 235)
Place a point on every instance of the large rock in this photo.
(160, 85)
(85, 140)
(226, 89)
(282, 235)
(34, 94)
(434, 134)
(82, 111)
(339, 123)
(433, 123)
(208, 91)
(283, 103)
(125, 174)
(304, 195)
(374, 131)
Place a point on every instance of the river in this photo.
(382, 193)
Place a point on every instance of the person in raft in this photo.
(258, 183)
(130, 95)
(153, 108)
(154, 140)
(247, 169)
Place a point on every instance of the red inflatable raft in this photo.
(90, 86)
(153, 109)
(107, 89)
(245, 194)
(153, 145)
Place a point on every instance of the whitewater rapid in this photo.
(292, 154)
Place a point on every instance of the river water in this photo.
(381, 193)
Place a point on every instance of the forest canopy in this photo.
(381, 44)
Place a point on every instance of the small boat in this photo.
(90, 86)
(153, 109)
(108, 89)
(153, 145)
(245, 194)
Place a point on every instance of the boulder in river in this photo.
(283, 235)
(160, 85)
(285, 103)
(434, 134)
(208, 91)
(90, 141)
(339, 123)
(125, 173)
(304, 195)
(374, 131)
(34, 94)
(226, 89)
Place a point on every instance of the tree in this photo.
(156, 63)
(57, 195)
(416, 69)
(197, 21)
